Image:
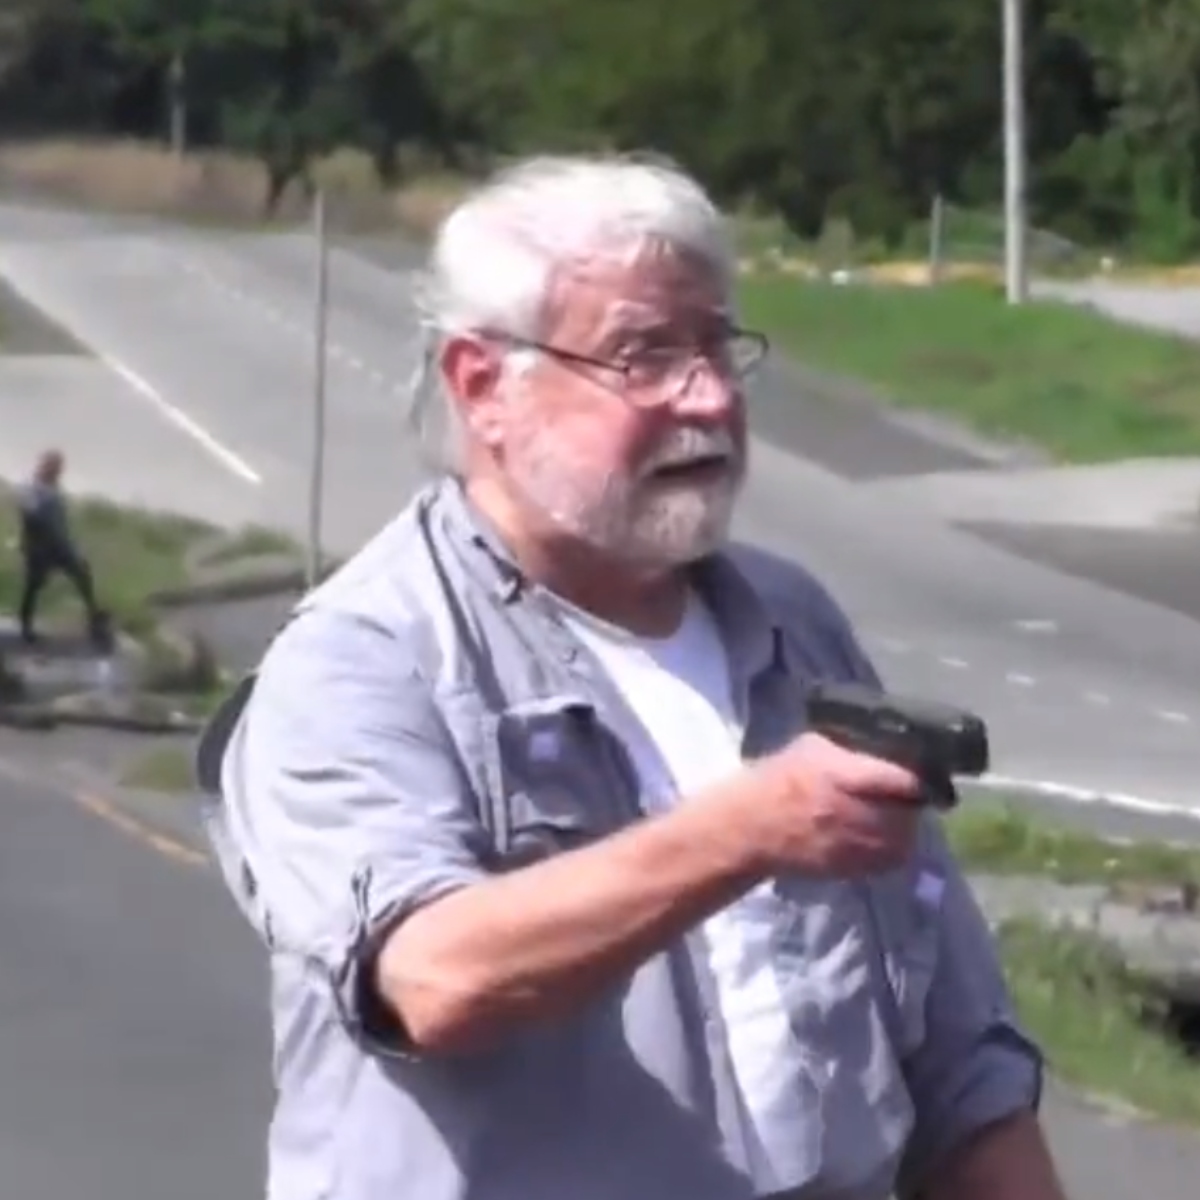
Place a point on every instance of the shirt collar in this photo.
(752, 635)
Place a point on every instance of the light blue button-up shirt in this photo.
(385, 756)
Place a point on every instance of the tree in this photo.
(286, 80)
(859, 110)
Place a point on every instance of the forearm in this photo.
(1006, 1161)
(542, 941)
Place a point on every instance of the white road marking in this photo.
(1172, 717)
(1036, 625)
(955, 664)
(277, 317)
(1051, 789)
(1019, 680)
(177, 417)
(1099, 699)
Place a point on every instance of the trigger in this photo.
(940, 793)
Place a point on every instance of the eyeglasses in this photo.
(653, 369)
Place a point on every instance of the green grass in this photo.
(133, 553)
(992, 837)
(1083, 387)
(1102, 1026)
(1102, 1029)
(165, 769)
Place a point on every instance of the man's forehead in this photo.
(622, 315)
(642, 292)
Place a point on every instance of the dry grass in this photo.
(145, 178)
(128, 177)
(140, 178)
(422, 203)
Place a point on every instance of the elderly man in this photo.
(562, 901)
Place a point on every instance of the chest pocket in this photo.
(556, 777)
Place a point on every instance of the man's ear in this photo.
(472, 370)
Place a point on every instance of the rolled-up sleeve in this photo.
(344, 802)
(975, 1065)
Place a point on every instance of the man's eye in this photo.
(646, 340)
(653, 361)
(661, 349)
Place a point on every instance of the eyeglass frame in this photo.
(685, 367)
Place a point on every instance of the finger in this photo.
(863, 770)
(886, 823)
(866, 775)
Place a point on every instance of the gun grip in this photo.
(939, 791)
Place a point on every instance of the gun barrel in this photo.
(918, 733)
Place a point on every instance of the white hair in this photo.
(494, 257)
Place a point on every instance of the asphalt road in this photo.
(212, 333)
(134, 1039)
(133, 1035)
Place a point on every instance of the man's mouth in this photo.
(694, 470)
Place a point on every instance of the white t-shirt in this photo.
(680, 690)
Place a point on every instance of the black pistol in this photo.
(934, 741)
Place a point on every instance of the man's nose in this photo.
(704, 390)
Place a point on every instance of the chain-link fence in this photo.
(953, 242)
(962, 241)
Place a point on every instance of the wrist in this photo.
(741, 813)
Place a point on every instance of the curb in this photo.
(25, 719)
(127, 723)
(250, 587)
(281, 572)
(1053, 790)
(45, 718)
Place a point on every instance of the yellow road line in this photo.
(169, 847)
(140, 831)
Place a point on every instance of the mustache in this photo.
(690, 444)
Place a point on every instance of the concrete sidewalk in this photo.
(1136, 494)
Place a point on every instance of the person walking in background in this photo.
(47, 546)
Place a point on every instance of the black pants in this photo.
(38, 570)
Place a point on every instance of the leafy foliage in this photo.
(859, 111)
